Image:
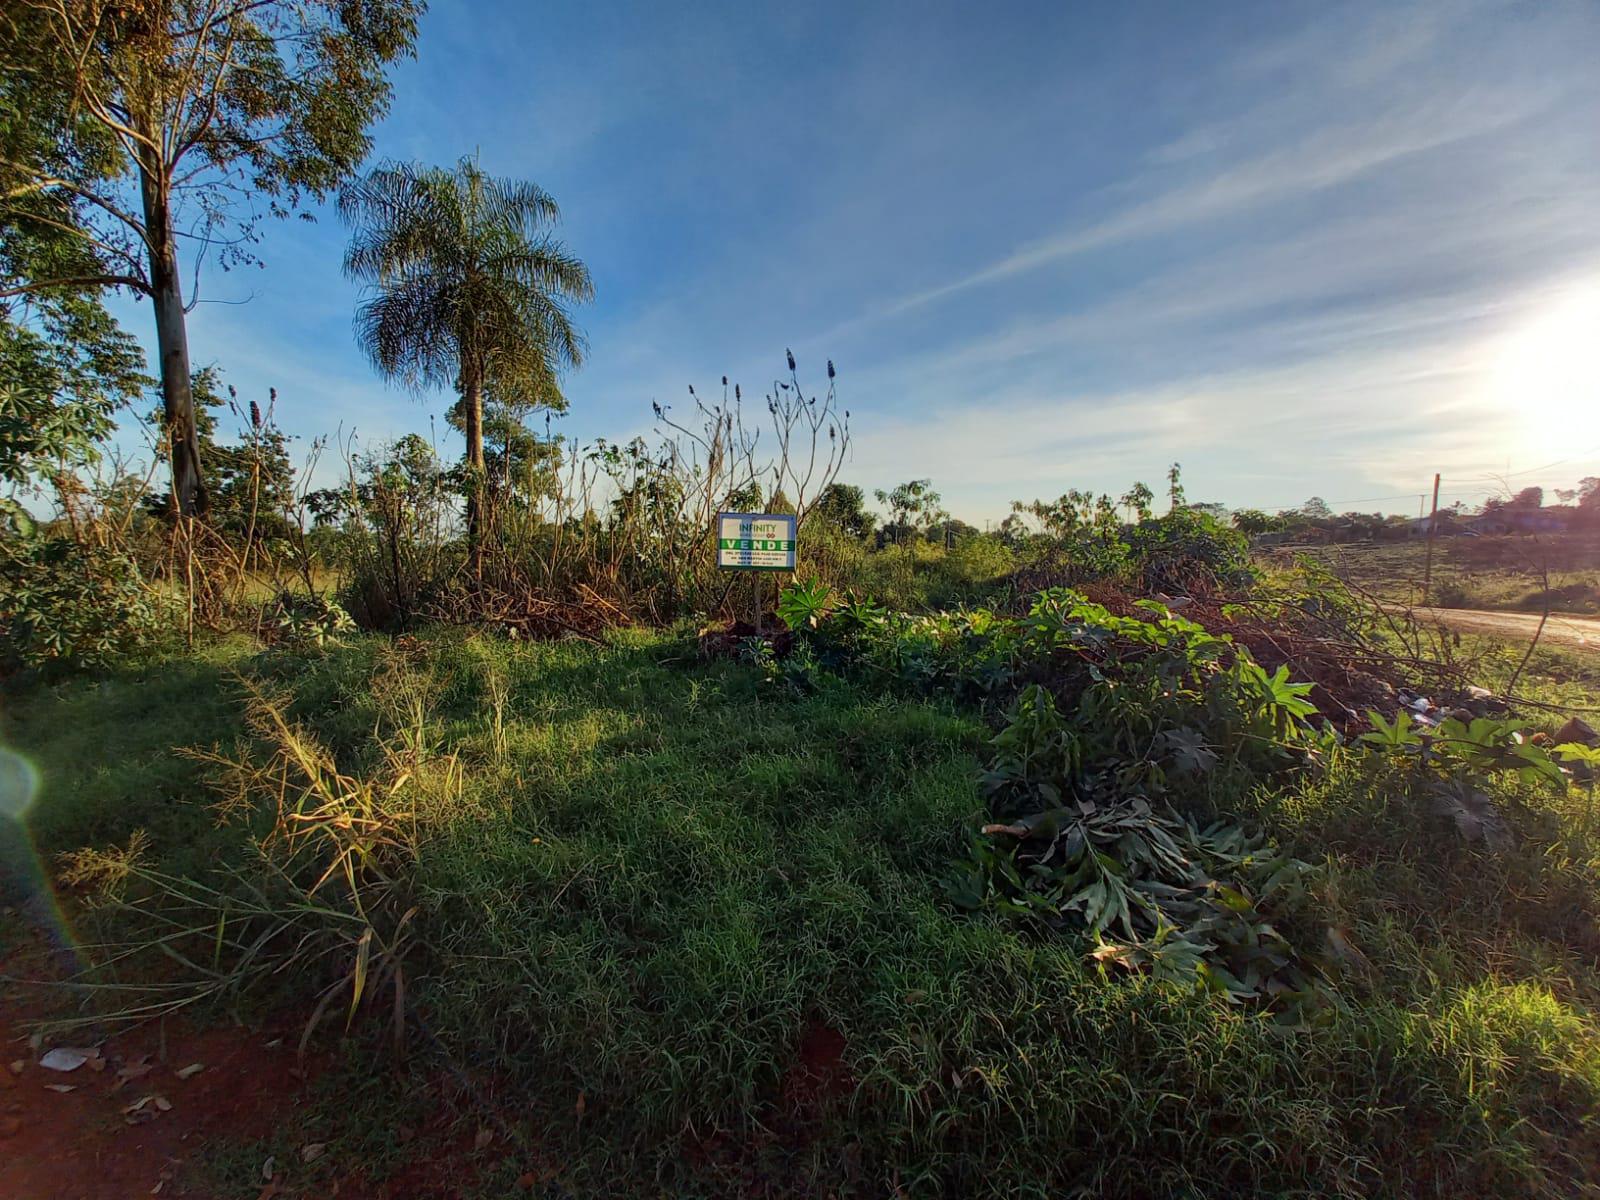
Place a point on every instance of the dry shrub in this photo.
(322, 899)
(104, 871)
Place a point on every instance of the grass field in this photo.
(687, 930)
(1497, 573)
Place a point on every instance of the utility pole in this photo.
(1433, 529)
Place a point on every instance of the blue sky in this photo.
(1302, 248)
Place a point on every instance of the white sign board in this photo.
(755, 541)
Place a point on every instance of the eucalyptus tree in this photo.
(66, 366)
(467, 287)
(166, 129)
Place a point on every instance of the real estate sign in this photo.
(755, 541)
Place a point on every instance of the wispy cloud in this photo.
(1251, 435)
(1302, 159)
(1047, 246)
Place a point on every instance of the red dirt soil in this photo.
(78, 1145)
(769, 1162)
(818, 1079)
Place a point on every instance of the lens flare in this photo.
(1547, 373)
(23, 880)
(19, 785)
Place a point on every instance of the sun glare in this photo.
(1548, 374)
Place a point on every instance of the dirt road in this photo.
(1580, 632)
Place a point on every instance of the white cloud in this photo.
(1365, 422)
(1321, 160)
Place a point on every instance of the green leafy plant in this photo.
(309, 621)
(805, 605)
(1451, 762)
(76, 605)
(1109, 726)
(1152, 890)
(1279, 704)
(1396, 734)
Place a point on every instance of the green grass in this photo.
(1572, 592)
(1503, 574)
(103, 753)
(1565, 678)
(661, 873)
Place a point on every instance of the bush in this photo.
(1186, 549)
(76, 605)
(1114, 732)
(836, 555)
(922, 576)
(304, 622)
(972, 569)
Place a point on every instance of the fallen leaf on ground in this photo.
(17, 1066)
(67, 1058)
(485, 1136)
(312, 1151)
(266, 1167)
(133, 1070)
(63, 1088)
(145, 1109)
(191, 1070)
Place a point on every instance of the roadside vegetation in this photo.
(647, 878)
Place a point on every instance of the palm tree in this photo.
(466, 288)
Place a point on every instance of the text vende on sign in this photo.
(755, 541)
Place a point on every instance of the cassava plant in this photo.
(1116, 737)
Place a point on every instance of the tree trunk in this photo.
(172, 346)
(472, 405)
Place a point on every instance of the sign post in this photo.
(755, 542)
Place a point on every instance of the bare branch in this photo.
(76, 281)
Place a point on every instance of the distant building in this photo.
(1449, 523)
(1557, 518)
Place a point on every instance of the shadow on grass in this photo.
(104, 751)
(660, 874)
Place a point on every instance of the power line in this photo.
(1375, 499)
(1560, 462)
(1459, 494)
